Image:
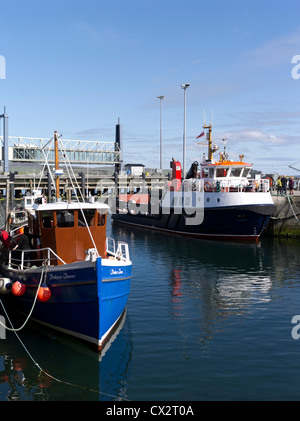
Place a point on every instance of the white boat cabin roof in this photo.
(70, 206)
(221, 169)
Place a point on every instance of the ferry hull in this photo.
(233, 222)
(85, 302)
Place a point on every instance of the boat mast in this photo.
(210, 151)
(56, 165)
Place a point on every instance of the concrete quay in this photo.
(285, 221)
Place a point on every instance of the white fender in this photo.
(5, 285)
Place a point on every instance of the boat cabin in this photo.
(69, 229)
(224, 169)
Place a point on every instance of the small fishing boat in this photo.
(217, 201)
(72, 277)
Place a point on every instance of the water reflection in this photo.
(212, 281)
(194, 312)
(76, 372)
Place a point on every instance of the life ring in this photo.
(270, 181)
(207, 183)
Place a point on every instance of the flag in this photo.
(200, 135)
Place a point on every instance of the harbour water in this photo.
(205, 321)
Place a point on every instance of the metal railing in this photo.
(22, 263)
(227, 185)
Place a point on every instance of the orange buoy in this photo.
(44, 294)
(18, 288)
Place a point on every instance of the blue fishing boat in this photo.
(72, 277)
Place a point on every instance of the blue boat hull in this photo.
(87, 299)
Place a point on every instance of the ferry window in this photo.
(65, 219)
(28, 201)
(204, 172)
(101, 219)
(246, 172)
(211, 172)
(89, 217)
(221, 172)
(47, 219)
(236, 172)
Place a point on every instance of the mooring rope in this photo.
(52, 377)
(32, 308)
(280, 218)
(292, 202)
(12, 329)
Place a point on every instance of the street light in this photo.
(161, 97)
(184, 86)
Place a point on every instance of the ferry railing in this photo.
(120, 252)
(22, 263)
(228, 185)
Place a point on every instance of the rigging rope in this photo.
(67, 164)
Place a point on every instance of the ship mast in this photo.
(210, 149)
(56, 166)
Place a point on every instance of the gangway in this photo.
(30, 149)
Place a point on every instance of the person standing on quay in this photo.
(284, 184)
(279, 186)
(291, 185)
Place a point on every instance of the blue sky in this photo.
(78, 66)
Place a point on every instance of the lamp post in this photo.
(161, 97)
(184, 87)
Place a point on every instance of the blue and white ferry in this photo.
(73, 278)
(216, 201)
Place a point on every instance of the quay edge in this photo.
(285, 221)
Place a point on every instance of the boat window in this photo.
(101, 219)
(221, 172)
(236, 172)
(38, 200)
(65, 219)
(89, 217)
(28, 201)
(246, 172)
(47, 219)
(205, 172)
(211, 172)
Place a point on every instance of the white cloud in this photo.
(277, 51)
(256, 136)
(103, 35)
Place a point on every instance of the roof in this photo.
(134, 165)
(70, 206)
(229, 163)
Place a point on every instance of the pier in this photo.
(104, 184)
(285, 221)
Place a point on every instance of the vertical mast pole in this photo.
(210, 153)
(56, 165)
